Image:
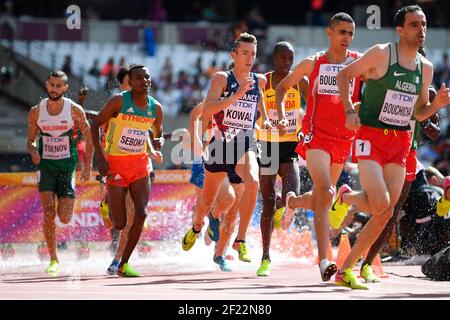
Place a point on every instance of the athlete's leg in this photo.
(225, 200)
(65, 209)
(229, 218)
(384, 236)
(370, 199)
(116, 206)
(248, 170)
(290, 177)
(124, 232)
(211, 187)
(322, 194)
(140, 194)
(48, 205)
(385, 183)
(267, 186)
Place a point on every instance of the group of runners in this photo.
(248, 130)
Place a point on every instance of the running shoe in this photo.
(113, 267)
(339, 209)
(189, 239)
(368, 275)
(288, 215)
(277, 218)
(327, 269)
(348, 279)
(104, 211)
(264, 269)
(53, 267)
(127, 271)
(443, 206)
(242, 249)
(222, 262)
(213, 228)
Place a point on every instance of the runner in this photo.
(126, 164)
(398, 78)
(54, 119)
(278, 154)
(327, 142)
(233, 100)
(432, 130)
(228, 193)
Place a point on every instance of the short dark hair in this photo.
(400, 15)
(282, 45)
(134, 67)
(338, 17)
(244, 37)
(121, 74)
(58, 74)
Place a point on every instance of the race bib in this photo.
(397, 108)
(291, 117)
(240, 115)
(133, 140)
(327, 83)
(362, 147)
(55, 148)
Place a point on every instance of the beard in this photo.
(56, 98)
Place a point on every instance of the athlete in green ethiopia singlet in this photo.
(388, 102)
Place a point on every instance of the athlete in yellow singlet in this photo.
(278, 154)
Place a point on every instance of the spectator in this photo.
(421, 230)
(442, 72)
(7, 23)
(209, 13)
(109, 71)
(67, 66)
(122, 63)
(149, 41)
(94, 70)
(166, 74)
(157, 12)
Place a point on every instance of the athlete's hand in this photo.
(300, 136)
(157, 157)
(353, 122)
(267, 125)
(282, 126)
(442, 97)
(158, 143)
(86, 173)
(35, 157)
(103, 167)
(246, 85)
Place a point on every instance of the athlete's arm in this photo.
(79, 117)
(213, 103)
(366, 65)
(423, 108)
(111, 108)
(195, 130)
(431, 126)
(33, 116)
(265, 123)
(304, 68)
(303, 86)
(157, 131)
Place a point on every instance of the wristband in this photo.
(350, 111)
